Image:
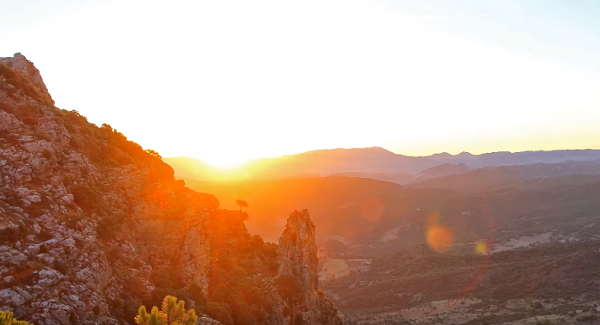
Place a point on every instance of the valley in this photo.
(528, 240)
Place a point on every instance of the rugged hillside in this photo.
(92, 226)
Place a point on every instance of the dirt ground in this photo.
(476, 311)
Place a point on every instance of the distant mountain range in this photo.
(518, 176)
(375, 162)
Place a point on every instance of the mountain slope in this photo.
(440, 171)
(92, 226)
(339, 205)
(368, 217)
(510, 176)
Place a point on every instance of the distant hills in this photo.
(521, 224)
(368, 194)
(375, 163)
(371, 216)
(519, 176)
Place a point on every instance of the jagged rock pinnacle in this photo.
(20, 64)
(298, 258)
(298, 246)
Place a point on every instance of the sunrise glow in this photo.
(230, 81)
(308, 162)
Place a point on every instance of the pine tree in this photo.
(6, 318)
(172, 313)
(242, 204)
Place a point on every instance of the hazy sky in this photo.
(232, 80)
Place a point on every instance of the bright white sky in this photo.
(227, 81)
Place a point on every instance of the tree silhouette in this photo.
(242, 204)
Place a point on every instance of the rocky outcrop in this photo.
(92, 226)
(74, 210)
(20, 64)
(298, 259)
(298, 251)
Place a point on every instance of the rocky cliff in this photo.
(298, 260)
(92, 226)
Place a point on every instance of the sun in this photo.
(226, 161)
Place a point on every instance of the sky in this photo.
(227, 81)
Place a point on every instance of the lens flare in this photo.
(440, 238)
(481, 247)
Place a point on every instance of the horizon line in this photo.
(388, 150)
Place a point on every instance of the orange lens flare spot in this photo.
(440, 238)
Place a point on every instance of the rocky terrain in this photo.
(92, 226)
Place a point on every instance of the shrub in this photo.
(542, 321)
(86, 197)
(107, 227)
(172, 312)
(220, 312)
(288, 286)
(6, 318)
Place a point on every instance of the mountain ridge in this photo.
(373, 160)
(92, 226)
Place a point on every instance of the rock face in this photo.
(298, 251)
(20, 64)
(298, 259)
(92, 226)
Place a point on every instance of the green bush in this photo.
(171, 312)
(6, 318)
(542, 321)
